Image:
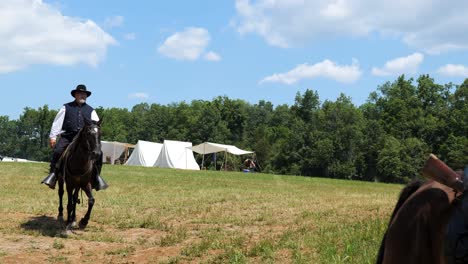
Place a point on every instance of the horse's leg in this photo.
(60, 194)
(75, 202)
(69, 208)
(89, 194)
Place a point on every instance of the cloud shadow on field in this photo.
(45, 225)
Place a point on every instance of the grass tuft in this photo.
(58, 244)
(124, 252)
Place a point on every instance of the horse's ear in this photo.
(99, 123)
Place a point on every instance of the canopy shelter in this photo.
(178, 155)
(208, 147)
(113, 150)
(144, 154)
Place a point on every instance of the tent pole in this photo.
(113, 154)
(203, 157)
(225, 160)
(223, 164)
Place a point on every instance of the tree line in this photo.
(385, 139)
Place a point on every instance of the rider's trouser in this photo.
(61, 145)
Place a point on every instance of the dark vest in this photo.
(74, 118)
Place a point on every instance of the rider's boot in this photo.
(51, 179)
(98, 181)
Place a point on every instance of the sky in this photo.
(131, 52)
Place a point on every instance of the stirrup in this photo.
(50, 180)
(100, 184)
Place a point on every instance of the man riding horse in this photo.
(67, 123)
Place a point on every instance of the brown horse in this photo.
(417, 231)
(417, 228)
(76, 170)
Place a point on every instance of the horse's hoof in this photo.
(60, 218)
(68, 229)
(73, 224)
(83, 224)
(65, 233)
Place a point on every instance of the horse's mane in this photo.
(407, 191)
(72, 145)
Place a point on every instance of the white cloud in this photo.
(138, 96)
(33, 32)
(130, 36)
(402, 65)
(212, 56)
(112, 22)
(186, 45)
(456, 70)
(327, 69)
(434, 27)
(339, 9)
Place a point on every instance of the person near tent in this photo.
(67, 123)
(250, 165)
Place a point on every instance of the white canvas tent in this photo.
(208, 147)
(144, 154)
(112, 150)
(10, 159)
(178, 155)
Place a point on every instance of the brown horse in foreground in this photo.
(417, 232)
(417, 228)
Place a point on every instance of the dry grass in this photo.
(171, 216)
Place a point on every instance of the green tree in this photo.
(306, 106)
(8, 137)
(400, 108)
(454, 151)
(389, 164)
(115, 124)
(137, 125)
(434, 99)
(33, 128)
(342, 124)
(373, 139)
(458, 111)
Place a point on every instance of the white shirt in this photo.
(58, 122)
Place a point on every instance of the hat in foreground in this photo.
(80, 88)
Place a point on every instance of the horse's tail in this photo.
(407, 191)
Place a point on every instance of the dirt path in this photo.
(40, 240)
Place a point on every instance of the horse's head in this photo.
(91, 134)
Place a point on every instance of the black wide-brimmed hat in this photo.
(80, 88)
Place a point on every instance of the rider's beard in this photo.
(81, 101)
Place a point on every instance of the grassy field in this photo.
(151, 215)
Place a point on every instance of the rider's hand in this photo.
(52, 142)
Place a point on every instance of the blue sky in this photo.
(128, 52)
